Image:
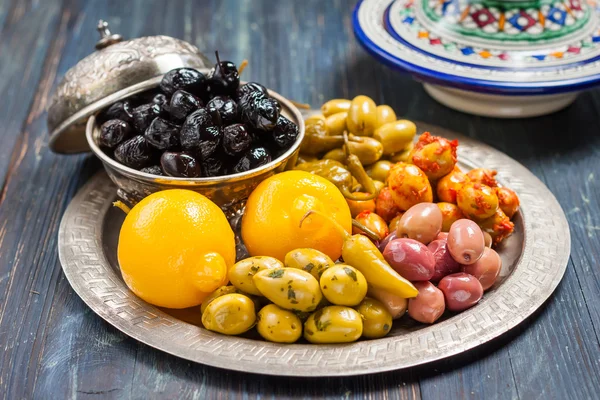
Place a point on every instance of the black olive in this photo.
(144, 115)
(180, 165)
(259, 113)
(113, 132)
(224, 79)
(236, 139)
(163, 102)
(134, 153)
(251, 87)
(198, 134)
(254, 158)
(285, 132)
(223, 110)
(120, 110)
(154, 170)
(162, 134)
(213, 166)
(187, 79)
(182, 104)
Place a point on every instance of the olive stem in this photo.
(219, 62)
(368, 232)
(119, 204)
(242, 67)
(336, 224)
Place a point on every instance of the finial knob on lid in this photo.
(106, 38)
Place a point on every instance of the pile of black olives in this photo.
(197, 125)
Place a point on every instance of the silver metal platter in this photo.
(534, 261)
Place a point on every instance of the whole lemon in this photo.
(275, 209)
(175, 248)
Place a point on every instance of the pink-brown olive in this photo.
(465, 241)
(442, 236)
(461, 291)
(488, 239)
(486, 269)
(411, 259)
(444, 263)
(429, 305)
(421, 222)
(384, 242)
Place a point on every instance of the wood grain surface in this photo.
(54, 347)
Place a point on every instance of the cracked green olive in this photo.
(230, 314)
(367, 149)
(335, 106)
(289, 288)
(377, 320)
(278, 325)
(309, 260)
(362, 116)
(395, 136)
(336, 123)
(333, 324)
(385, 114)
(343, 285)
(380, 170)
(336, 154)
(241, 273)
(223, 290)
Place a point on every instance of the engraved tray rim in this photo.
(536, 275)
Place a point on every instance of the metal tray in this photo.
(534, 261)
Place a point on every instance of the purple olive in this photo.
(486, 269)
(444, 263)
(461, 291)
(488, 239)
(465, 241)
(410, 258)
(429, 305)
(421, 222)
(386, 240)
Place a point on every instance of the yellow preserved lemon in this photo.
(175, 248)
(271, 222)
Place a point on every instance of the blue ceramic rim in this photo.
(471, 84)
(390, 29)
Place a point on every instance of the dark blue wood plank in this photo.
(55, 347)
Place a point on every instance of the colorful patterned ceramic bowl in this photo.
(509, 58)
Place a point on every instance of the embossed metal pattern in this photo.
(535, 274)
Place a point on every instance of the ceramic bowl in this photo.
(510, 58)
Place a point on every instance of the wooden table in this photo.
(53, 347)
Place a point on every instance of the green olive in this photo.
(336, 154)
(403, 155)
(335, 106)
(309, 260)
(318, 117)
(378, 185)
(241, 273)
(343, 285)
(380, 170)
(362, 116)
(333, 324)
(278, 325)
(304, 158)
(385, 114)
(395, 136)
(230, 314)
(336, 123)
(223, 290)
(377, 320)
(289, 288)
(368, 150)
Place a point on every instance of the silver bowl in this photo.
(229, 192)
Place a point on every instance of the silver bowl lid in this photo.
(117, 69)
